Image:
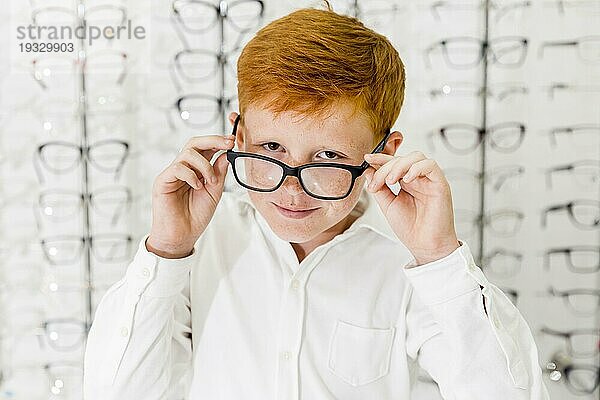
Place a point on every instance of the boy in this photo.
(305, 285)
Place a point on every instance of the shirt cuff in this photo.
(156, 276)
(447, 278)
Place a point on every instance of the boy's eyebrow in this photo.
(338, 147)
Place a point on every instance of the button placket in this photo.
(291, 324)
(295, 284)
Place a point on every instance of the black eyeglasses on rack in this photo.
(461, 138)
(580, 343)
(466, 52)
(580, 379)
(586, 173)
(584, 213)
(201, 111)
(582, 301)
(579, 259)
(586, 46)
(60, 157)
(198, 16)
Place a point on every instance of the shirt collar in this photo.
(371, 215)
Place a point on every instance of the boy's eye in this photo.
(271, 146)
(329, 155)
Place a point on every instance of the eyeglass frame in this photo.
(355, 170)
(485, 50)
(567, 335)
(568, 254)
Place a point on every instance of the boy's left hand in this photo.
(421, 215)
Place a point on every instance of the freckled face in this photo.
(339, 137)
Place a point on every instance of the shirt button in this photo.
(295, 284)
(286, 355)
(146, 272)
(124, 331)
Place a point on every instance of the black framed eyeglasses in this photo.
(321, 180)
(579, 259)
(463, 52)
(584, 213)
(198, 16)
(459, 138)
(580, 343)
(580, 379)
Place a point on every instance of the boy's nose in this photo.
(291, 184)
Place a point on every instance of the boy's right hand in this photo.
(184, 198)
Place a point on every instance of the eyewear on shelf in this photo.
(579, 134)
(62, 334)
(467, 52)
(561, 87)
(580, 343)
(585, 6)
(444, 9)
(463, 139)
(34, 381)
(376, 14)
(107, 62)
(62, 157)
(321, 180)
(580, 379)
(586, 173)
(502, 222)
(499, 92)
(197, 16)
(502, 263)
(200, 65)
(588, 47)
(580, 259)
(50, 68)
(499, 178)
(584, 214)
(102, 15)
(201, 111)
(583, 302)
(61, 205)
(63, 250)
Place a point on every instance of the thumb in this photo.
(220, 166)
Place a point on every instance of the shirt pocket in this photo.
(359, 355)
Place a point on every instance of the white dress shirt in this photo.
(242, 319)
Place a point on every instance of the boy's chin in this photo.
(289, 234)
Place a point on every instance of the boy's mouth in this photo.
(294, 213)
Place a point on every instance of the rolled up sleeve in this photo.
(468, 335)
(139, 344)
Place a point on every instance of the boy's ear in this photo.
(239, 135)
(393, 142)
(232, 116)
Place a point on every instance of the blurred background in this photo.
(504, 94)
